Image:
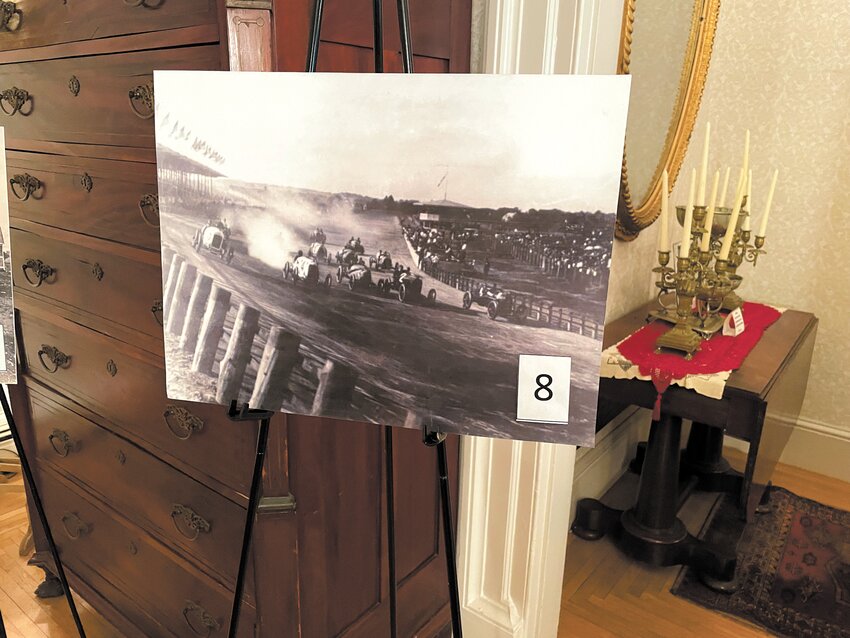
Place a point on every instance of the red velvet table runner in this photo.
(718, 354)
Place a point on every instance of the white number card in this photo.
(734, 323)
(543, 389)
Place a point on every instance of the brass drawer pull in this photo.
(73, 526)
(12, 101)
(10, 16)
(61, 442)
(156, 311)
(23, 186)
(149, 209)
(74, 85)
(142, 94)
(199, 619)
(147, 4)
(57, 358)
(86, 182)
(97, 271)
(40, 271)
(188, 522)
(111, 368)
(182, 423)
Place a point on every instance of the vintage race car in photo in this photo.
(305, 269)
(498, 302)
(318, 250)
(348, 256)
(215, 239)
(381, 261)
(358, 275)
(408, 288)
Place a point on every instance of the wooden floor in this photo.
(606, 594)
(25, 615)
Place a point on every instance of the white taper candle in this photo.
(733, 223)
(709, 218)
(685, 246)
(767, 204)
(664, 220)
(722, 202)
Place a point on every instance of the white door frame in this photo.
(515, 497)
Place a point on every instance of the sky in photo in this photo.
(529, 141)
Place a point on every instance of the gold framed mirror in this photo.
(666, 48)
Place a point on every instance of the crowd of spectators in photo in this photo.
(435, 245)
(576, 254)
(566, 255)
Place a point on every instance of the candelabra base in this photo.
(732, 301)
(681, 337)
(704, 327)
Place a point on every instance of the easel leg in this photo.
(253, 500)
(438, 440)
(315, 31)
(391, 546)
(39, 506)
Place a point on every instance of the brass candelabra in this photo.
(693, 295)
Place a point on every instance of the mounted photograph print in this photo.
(396, 249)
(8, 366)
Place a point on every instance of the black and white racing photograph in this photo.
(8, 366)
(383, 248)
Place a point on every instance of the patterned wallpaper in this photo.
(782, 69)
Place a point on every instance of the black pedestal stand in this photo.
(39, 506)
(651, 531)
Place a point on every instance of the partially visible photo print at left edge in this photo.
(8, 369)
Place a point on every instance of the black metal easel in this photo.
(39, 507)
(235, 413)
(431, 436)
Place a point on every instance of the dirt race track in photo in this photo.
(432, 359)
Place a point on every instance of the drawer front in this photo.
(141, 487)
(120, 290)
(100, 198)
(114, 105)
(197, 434)
(32, 23)
(177, 599)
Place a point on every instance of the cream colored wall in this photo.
(782, 69)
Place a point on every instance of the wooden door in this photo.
(336, 468)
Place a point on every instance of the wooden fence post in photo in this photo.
(280, 356)
(167, 257)
(212, 327)
(336, 388)
(170, 283)
(195, 313)
(180, 298)
(238, 354)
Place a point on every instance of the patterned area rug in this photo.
(793, 568)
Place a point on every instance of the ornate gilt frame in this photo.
(633, 217)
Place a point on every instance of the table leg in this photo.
(703, 458)
(651, 531)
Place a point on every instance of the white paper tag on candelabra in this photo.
(543, 389)
(734, 323)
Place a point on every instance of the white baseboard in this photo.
(598, 468)
(814, 446)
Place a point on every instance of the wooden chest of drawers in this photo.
(147, 496)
